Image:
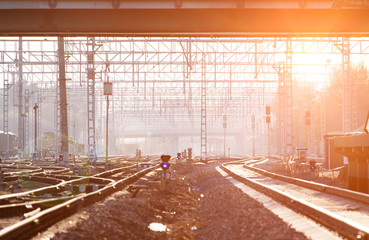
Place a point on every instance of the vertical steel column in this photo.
(353, 91)
(57, 119)
(282, 112)
(35, 108)
(346, 92)
(354, 105)
(281, 143)
(26, 119)
(203, 111)
(39, 121)
(107, 130)
(63, 103)
(6, 115)
(91, 99)
(20, 97)
(312, 132)
(289, 136)
(322, 121)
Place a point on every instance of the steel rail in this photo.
(40, 221)
(341, 192)
(115, 171)
(57, 187)
(343, 226)
(17, 208)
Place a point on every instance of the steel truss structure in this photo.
(6, 114)
(91, 48)
(204, 138)
(158, 81)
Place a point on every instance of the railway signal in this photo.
(312, 165)
(179, 155)
(165, 162)
(61, 157)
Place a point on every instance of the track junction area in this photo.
(254, 197)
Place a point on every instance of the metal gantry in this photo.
(159, 80)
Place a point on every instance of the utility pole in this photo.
(63, 102)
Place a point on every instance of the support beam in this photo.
(184, 22)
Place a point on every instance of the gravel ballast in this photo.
(201, 205)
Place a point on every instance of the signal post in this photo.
(166, 173)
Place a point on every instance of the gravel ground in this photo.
(200, 205)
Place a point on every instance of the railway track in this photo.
(32, 211)
(343, 211)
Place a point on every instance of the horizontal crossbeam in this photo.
(184, 22)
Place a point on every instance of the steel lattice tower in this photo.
(91, 99)
(6, 115)
(289, 135)
(346, 92)
(203, 112)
